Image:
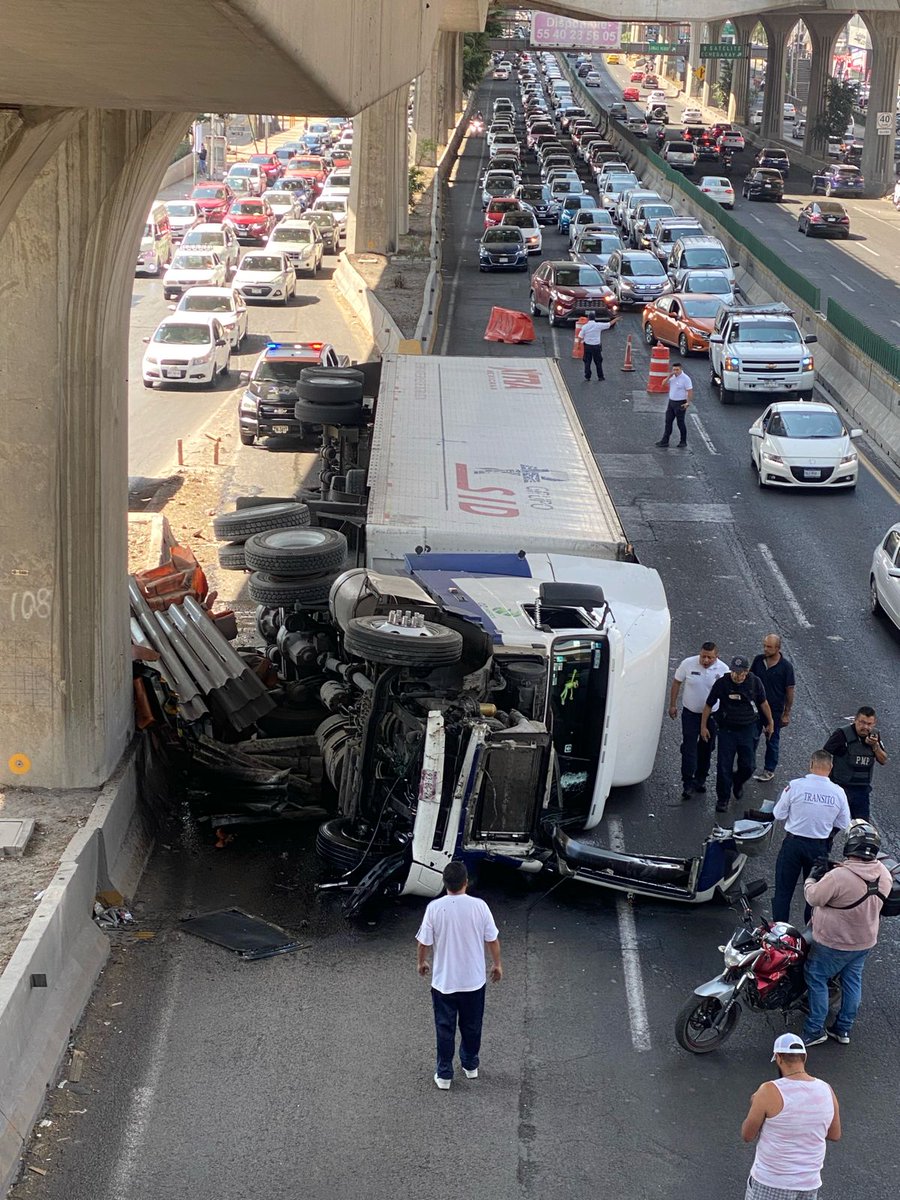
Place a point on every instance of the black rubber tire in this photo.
(330, 389)
(726, 395)
(300, 552)
(278, 591)
(339, 846)
(247, 439)
(649, 335)
(367, 638)
(238, 526)
(329, 414)
(231, 556)
(874, 599)
(683, 348)
(694, 1009)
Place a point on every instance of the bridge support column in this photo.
(713, 33)
(438, 96)
(823, 30)
(379, 197)
(75, 188)
(691, 82)
(878, 150)
(777, 29)
(739, 98)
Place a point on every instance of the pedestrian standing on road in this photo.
(591, 337)
(201, 161)
(696, 675)
(812, 809)
(458, 927)
(777, 675)
(846, 902)
(681, 393)
(856, 749)
(793, 1117)
(741, 700)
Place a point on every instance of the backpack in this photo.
(890, 904)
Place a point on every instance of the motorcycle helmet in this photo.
(863, 840)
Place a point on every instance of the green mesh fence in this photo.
(886, 354)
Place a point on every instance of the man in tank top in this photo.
(793, 1117)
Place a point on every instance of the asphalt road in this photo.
(212, 1079)
(862, 273)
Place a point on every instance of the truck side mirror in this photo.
(716, 339)
(810, 338)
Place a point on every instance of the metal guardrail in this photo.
(879, 349)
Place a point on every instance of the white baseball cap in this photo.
(788, 1043)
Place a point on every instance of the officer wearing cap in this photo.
(742, 699)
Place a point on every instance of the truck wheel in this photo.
(279, 591)
(296, 551)
(247, 439)
(330, 389)
(238, 526)
(231, 557)
(329, 414)
(726, 395)
(375, 639)
(308, 373)
(346, 847)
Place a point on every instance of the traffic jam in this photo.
(250, 238)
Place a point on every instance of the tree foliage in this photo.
(477, 53)
(838, 111)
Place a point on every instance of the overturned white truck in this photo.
(503, 656)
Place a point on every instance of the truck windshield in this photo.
(577, 704)
(780, 333)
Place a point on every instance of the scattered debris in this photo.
(249, 937)
(45, 1124)
(112, 917)
(76, 1067)
(15, 836)
(37, 1170)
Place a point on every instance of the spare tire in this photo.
(330, 389)
(345, 848)
(308, 373)
(278, 591)
(231, 557)
(295, 551)
(237, 526)
(377, 640)
(329, 414)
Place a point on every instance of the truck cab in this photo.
(761, 350)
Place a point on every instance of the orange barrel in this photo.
(659, 370)
(578, 344)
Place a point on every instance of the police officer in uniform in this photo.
(741, 698)
(856, 749)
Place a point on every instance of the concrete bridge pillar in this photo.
(878, 150)
(739, 98)
(713, 35)
(692, 84)
(379, 197)
(438, 97)
(823, 30)
(778, 28)
(75, 189)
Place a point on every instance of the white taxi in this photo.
(884, 576)
(193, 268)
(266, 276)
(224, 303)
(718, 187)
(803, 444)
(186, 348)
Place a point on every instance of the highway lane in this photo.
(862, 273)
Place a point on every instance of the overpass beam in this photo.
(878, 150)
(823, 30)
(778, 28)
(739, 97)
(714, 33)
(379, 196)
(69, 244)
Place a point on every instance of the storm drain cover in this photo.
(247, 936)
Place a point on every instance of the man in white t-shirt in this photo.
(696, 675)
(458, 927)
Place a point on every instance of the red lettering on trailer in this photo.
(520, 380)
(483, 501)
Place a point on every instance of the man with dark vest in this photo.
(856, 749)
(742, 699)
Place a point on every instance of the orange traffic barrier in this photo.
(507, 325)
(578, 344)
(659, 370)
(628, 364)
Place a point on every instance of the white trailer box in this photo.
(483, 455)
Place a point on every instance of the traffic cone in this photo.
(578, 344)
(659, 370)
(628, 364)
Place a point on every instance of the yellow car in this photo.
(612, 59)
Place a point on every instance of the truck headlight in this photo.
(248, 405)
(732, 364)
(807, 363)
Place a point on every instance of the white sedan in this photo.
(884, 577)
(186, 348)
(803, 444)
(266, 275)
(224, 303)
(193, 268)
(300, 243)
(692, 116)
(719, 188)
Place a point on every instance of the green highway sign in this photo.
(722, 50)
(662, 47)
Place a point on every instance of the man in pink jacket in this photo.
(846, 901)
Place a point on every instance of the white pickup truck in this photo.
(760, 350)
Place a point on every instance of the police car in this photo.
(267, 404)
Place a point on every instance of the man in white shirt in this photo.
(812, 808)
(696, 675)
(591, 337)
(458, 927)
(681, 393)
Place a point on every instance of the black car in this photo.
(824, 217)
(537, 197)
(763, 183)
(775, 157)
(618, 111)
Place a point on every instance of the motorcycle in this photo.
(763, 970)
(476, 127)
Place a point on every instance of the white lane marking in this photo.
(792, 601)
(868, 249)
(897, 323)
(631, 958)
(792, 246)
(554, 337)
(757, 219)
(707, 440)
(862, 212)
(843, 285)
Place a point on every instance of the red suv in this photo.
(567, 290)
(269, 164)
(251, 218)
(212, 200)
(498, 208)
